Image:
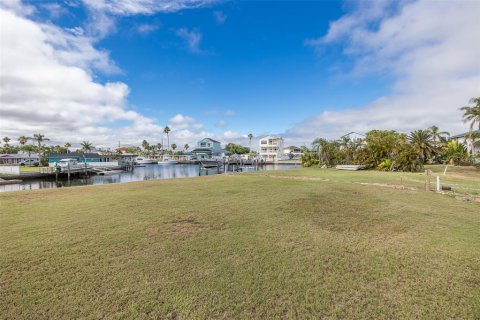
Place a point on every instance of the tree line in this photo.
(389, 150)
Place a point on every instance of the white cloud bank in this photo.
(47, 85)
(431, 48)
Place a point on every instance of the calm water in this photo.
(149, 172)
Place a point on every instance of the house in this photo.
(80, 157)
(293, 152)
(353, 136)
(207, 148)
(271, 148)
(18, 158)
(473, 145)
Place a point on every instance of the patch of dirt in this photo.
(190, 225)
(295, 178)
(393, 186)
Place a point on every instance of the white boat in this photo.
(142, 160)
(167, 160)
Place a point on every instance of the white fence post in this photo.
(438, 183)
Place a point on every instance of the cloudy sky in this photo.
(120, 70)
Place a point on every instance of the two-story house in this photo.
(207, 148)
(271, 148)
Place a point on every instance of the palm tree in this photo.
(422, 140)
(167, 130)
(159, 147)
(39, 138)
(472, 113)
(186, 146)
(174, 146)
(6, 140)
(22, 140)
(145, 145)
(67, 146)
(437, 134)
(86, 146)
(250, 137)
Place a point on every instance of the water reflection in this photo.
(148, 172)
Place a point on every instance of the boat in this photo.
(167, 160)
(142, 160)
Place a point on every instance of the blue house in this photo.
(207, 148)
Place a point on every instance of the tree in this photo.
(472, 113)
(250, 137)
(186, 147)
(145, 145)
(159, 147)
(22, 140)
(6, 140)
(174, 146)
(39, 138)
(67, 146)
(167, 130)
(456, 152)
(86, 146)
(437, 135)
(28, 148)
(233, 148)
(421, 141)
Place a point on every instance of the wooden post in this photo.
(438, 184)
(68, 171)
(428, 175)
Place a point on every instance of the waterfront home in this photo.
(207, 148)
(293, 152)
(473, 145)
(353, 136)
(79, 157)
(271, 148)
(19, 158)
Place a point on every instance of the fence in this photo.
(10, 170)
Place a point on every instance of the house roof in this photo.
(18, 156)
(74, 155)
(463, 134)
(210, 140)
(351, 133)
(292, 147)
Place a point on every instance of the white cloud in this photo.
(220, 17)
(230, 113)
(48, 86)
(192, 39)
(147, 28)
(430, 48)
(134, 7)
(103, 13)
(222, 123)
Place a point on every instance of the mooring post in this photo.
(438, 183)
(68, 171)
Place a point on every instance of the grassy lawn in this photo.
(300, 243)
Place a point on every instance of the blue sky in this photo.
(300, 69)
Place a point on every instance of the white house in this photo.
(292, 152)
(19, 158)
(271, 148)
(353, 136)
(473, 146)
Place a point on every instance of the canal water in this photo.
(147, 172)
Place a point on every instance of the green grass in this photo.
(301, 243)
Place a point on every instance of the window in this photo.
(203, 144)
(263, 141)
